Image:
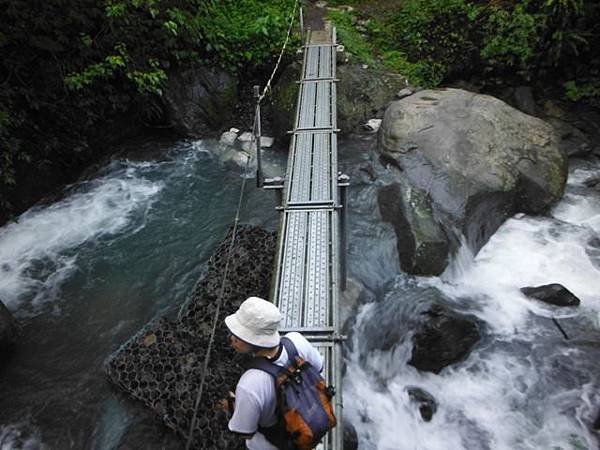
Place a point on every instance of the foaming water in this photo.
(19, 437)
(523, 386)
(34, 252)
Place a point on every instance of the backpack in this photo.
(304, 409)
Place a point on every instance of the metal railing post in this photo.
(343, 183)
(276, 184)
(257, 133)
(301, 21)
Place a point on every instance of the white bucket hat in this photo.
(256, 322)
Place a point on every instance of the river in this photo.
(85, 273)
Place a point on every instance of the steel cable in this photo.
(233, 236)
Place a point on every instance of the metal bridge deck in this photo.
(306, 282)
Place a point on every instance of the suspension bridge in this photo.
(310, 263)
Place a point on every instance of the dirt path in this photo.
(314, 16)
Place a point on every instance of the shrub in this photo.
(511, 39)
(439, 32)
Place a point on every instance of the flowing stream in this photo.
(84, 274)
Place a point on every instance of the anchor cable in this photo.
(233, 236)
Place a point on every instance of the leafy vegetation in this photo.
(430, 41)
(72, 70)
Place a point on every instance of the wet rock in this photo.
(228, 137)
(200, 99)
(350, 436)
(596, 424)
(592, 182)
(8, 333)
(479, 160)
(592, 249)
(372, 125)
(554, 294)
(367, 172)
(443, 339)
(425, 401)
(421, 241)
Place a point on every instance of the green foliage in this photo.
(69, 67)
(351, 38)
(439, 32)
(586, 90)
(511, 39)
(246, 33)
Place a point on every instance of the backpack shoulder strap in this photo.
(262, 363)
(290, 348)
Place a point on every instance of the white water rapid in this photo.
(524, 386)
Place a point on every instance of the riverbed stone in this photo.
(8, 333)
(444, 338)
(200, 99)
(350, 436)
(424, 400)
(421, 241)
(553, 294)
(477, 158)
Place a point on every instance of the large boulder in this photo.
(363, 94)
(422, 243)
(200, 99)
(443, 339)
(8, 332)
(478, 159)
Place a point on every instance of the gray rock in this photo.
(372, 125)
(422, 243)
(200, 99)
(246, 136)
(524, 100)
(596, 425)
(479, 160)
(8, 333)
(285, 94)
(554, 294)
(404, 93)
(350, 436)
(425, 401)
(228, 138)
(445, 338)
(363, 94)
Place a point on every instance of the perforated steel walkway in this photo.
(306, 282)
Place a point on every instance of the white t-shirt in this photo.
(256, 399)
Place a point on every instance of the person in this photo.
(254, 329)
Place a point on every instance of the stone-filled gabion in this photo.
(162, 364)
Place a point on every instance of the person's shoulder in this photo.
(294, 336)
(252, 378)
(301, 343)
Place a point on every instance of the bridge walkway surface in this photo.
(306, 284)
